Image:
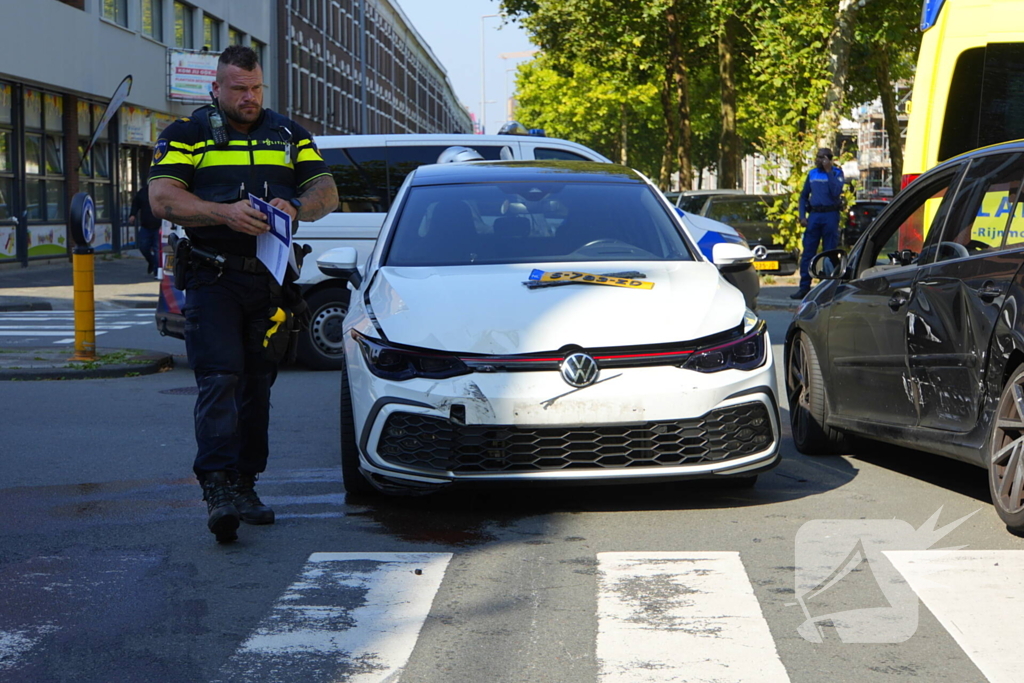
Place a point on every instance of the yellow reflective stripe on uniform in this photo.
(322, 175)
(173, 158)
(262, 157)
(182, 145)
(308, 154)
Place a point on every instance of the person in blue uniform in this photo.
(204, 168)
(820, 204)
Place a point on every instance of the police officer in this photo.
(820, 202)
(204, 168)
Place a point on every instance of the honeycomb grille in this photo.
(434, 443)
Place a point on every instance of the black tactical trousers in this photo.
(226, 319)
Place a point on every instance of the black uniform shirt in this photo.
(276, 159)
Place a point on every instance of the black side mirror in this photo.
(829, 265)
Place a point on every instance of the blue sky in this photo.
(452, 29)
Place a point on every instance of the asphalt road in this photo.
(107, 572)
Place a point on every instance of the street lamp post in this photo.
(483, 74)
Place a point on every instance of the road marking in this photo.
(978, 596)
(351, 616)
(679, 616)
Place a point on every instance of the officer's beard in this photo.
(243, 118)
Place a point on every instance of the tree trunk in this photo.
(665, 177)
(890, 117)
(729, 142)
(681, 90)
(838, 67)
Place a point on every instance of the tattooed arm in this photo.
(171, 201)
(318, 199)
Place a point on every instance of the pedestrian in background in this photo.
(201, 178)
(820, 202)
(147, 228)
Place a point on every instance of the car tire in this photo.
(353, 479)
(808, 404)
(1005, 455)
(321, 346)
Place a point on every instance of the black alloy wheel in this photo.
(1006, 455)
(355, 483)
(807, 402)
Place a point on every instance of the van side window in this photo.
(403, 160)
(548, 153)
(361, 176)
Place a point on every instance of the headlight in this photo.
(745, 353)
(388, 361)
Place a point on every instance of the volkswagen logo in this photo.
(579, 370)
(760, 251)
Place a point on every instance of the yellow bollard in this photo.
(85, 304)
(82, 226)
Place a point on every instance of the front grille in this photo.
(434, 443)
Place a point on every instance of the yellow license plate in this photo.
(169, 261)
(590, 278)
(766, 265)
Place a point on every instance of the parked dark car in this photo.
(747, 213)
(917, 338)
(859, 216)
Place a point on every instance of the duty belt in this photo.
(246, 264)
(822, 209)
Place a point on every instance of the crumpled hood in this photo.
(488, 310)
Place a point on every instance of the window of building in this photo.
(6, 153)
(183, 26)
(261, 51)
(44, 156)
(211, 33)
(153, 19)
(94, 172)
(116, 11)
(234, 36)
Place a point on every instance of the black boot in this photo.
(219, 495)
(248, 504)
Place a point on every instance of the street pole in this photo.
(483, 75)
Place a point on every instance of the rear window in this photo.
(986, 96)
(739, 210)
(532, 223)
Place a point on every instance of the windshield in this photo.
(531, 222)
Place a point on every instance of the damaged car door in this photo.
(957, 297)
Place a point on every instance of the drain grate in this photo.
(183, 391)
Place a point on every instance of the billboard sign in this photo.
(190, 75)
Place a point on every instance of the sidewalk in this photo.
(119, 283)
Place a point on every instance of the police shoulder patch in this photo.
(160, 150)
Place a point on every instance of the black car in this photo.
(859, 216)
(748, 214)
(917, 338)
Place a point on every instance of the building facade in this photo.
(340, 79)
(336, 66)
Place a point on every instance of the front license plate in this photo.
(766, 265)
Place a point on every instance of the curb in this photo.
(51, 364)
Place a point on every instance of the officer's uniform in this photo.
(820, 202)
(227, 313)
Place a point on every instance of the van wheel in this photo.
(1006, 455)
(322, 346)
(355, 483)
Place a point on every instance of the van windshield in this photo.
(534, 222)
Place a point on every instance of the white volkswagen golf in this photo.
(528, 321)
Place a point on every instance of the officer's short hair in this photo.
(240, 56)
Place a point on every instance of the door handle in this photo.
(898, 299)
(988, 292)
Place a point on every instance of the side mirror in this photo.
(829, 265)
(341, 262)
(730, 256)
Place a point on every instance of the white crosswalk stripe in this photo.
(350, 616)
(665, 616)
(978, 596)
(661, 616)
(45, 324)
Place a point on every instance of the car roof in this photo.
(523, 171)
(702, 193)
